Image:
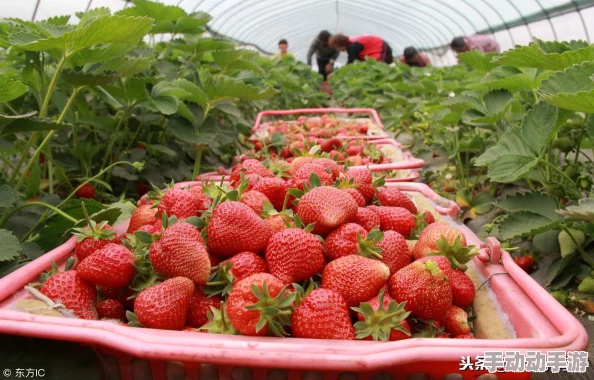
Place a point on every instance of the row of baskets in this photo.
(513, 313)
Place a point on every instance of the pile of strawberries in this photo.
(323, 252)
(293, 139)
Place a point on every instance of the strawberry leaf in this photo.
(525, 223)
(9, 246)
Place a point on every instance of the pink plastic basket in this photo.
(368, 111)
(539, 322)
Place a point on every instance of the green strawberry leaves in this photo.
(379, 323)
(548, 55)
(572, 89)
(275, 312)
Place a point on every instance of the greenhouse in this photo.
(201, 189)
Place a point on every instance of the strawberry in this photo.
(390, 196)
(274, 189)
(441, 239)
(199, 307)
(165, 306)
(344, 241)
(235, 227)
(411, 244)
(586, 286)
(294, 255)
(367, 218)
(455, 322)
(298, 162)
(110, 293)
(245, 264)
(395, 219)
(87, 191)
(180, 203)
(566, 243)
(92, 238)
(424, 288)
(330, 144)
(259, 304)
(249, 166)
(322, 314)
(111, 266)
(302, 175)
(73, 292)
(143, 215)
(276, 223)
(336, 156)
(327, 207)
(111, 309)
(428, 217)
(382, 318)
(464, 337)
(255, 200)
(360, 176)
(355, 277)
(462, 286)
(180, 252)
(142, 188)
(394, 251)
(525, 262)
(331, 166)
(152, 229)
(356, 196)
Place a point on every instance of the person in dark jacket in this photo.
(363, 46)
(325, 55)
(412, 58)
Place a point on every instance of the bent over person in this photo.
(412, 57)
(363, 46)
(325, 55)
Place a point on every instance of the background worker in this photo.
(363, 46)
(325, 55)
(480, 42)
(283, 49)
(413, 58)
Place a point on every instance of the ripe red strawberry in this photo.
(355, 277)
(234, 228)
(87, 191)
(294, 255)
(367, 218)
(110, 293)
(72, 292)
(337, 156)
(428, 217)
(364, 179)
(390, 196)
(327, 207)
(150, 228)
(92, 238)
(343, 241)
(249, 311)
(356, 196)
(331, 166)
(276, 222)
(462, 286)
(111, 309)
(330, 144)
(181, 252)
(165, 306)
(245, 264)
(302, 175)
(424, 288)
(322, 314)
(453, 244)
(394, 251)
(255, 200)
(298, 162)
(143, 188)
(111, 266)
(247, 167)
(143, 215)
(199, 307)
(203, 200)
(180, 203)
(275, 190)
(455, 322)
(525, 262)
(382, 318)
(395, 219)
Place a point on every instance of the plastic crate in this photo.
(259, 125)
(537, 322)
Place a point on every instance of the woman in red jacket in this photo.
(363, 46)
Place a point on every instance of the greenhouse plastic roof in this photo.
(425, 24)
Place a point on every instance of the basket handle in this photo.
(369, 111)
(490, 251)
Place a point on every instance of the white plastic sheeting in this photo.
(425, 24)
